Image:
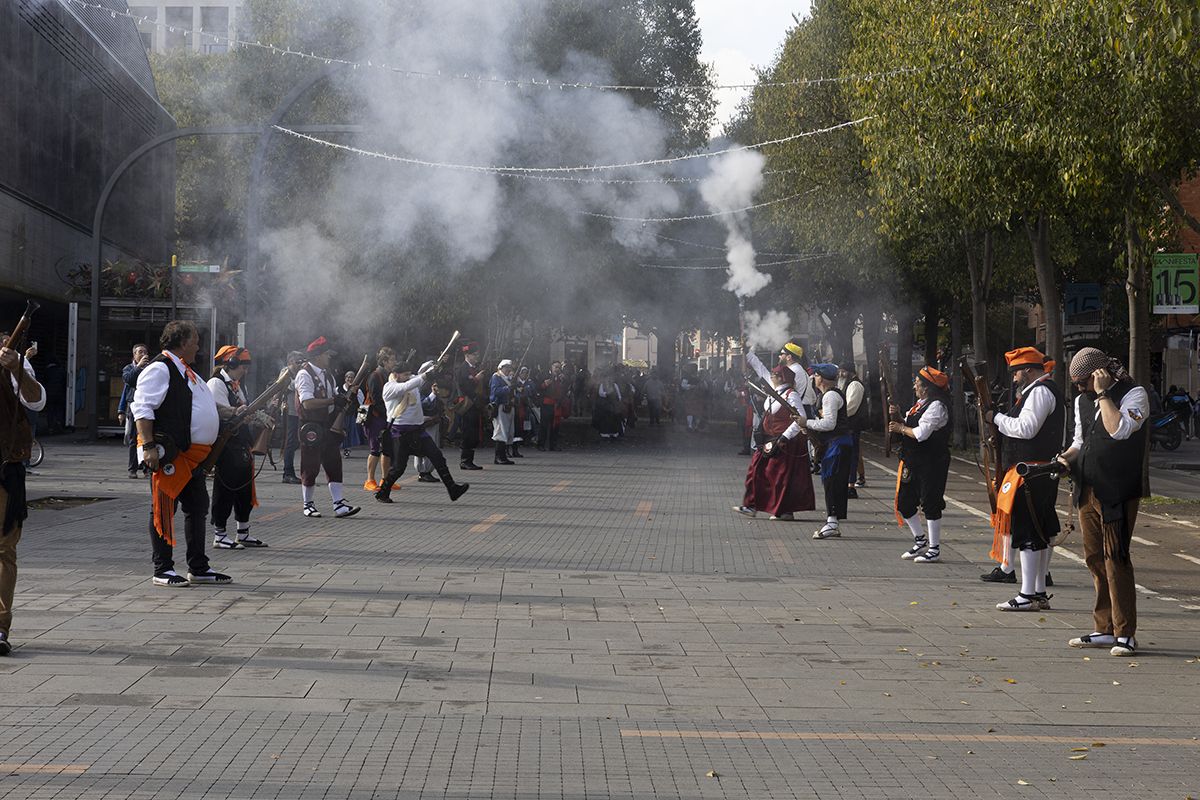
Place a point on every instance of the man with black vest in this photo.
(172, 403)
(924, 464)
(27, 392)
(468, 380)
(856, 415)
(318, 401)
(1107, 456)
(1031, 432)
(833, 428)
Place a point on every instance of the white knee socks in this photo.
(307, 493)
(935, 532)
(914, 525)
(335, 491)
(1031, 568)
(1043, 568)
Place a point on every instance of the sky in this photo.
(740, 35)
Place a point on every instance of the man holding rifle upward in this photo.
(1031, 431)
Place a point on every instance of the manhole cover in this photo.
(59, 503)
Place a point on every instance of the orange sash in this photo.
(896, 500)
(1002, 518)
(165, 489)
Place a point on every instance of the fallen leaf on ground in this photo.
(712, 773)
(1022, 782)
(1097, 744)
(1116, 683)
(1079, 758)
(1009, 680)
(1079, 749)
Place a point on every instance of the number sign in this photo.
(1176, 283)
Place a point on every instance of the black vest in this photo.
(1112, 467)
(323, 389)
(174, 414)
(842, 426)
(1046, 443)
(934, 450)
(859, 420)
(243, 435)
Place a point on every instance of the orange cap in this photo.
(935, 376)
(1028, 357)
(230, 351)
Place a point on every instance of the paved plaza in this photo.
(593, 623)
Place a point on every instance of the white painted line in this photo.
(1186, 557)
(1146, 542)
(1165, 518)
(1069, 555)
(1168, 599)
(1190, 608)
(1144, 590)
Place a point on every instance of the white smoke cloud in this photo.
(766, 331)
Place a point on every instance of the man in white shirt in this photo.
(409, 431)
(856, 414)
(318, 401)
(1106, 455)
(30, 394)
(172, 401)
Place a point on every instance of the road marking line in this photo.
(1165, 518)
(779, 551)
(1144, 590)
(903, 737)
(44, 769)
(1190, 608)
(1146, 542)
(1186, 557)
(1069, 555)
(560, 486)
(643, 509)
(487, 524)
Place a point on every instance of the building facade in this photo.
(202, 27)
(79, 97)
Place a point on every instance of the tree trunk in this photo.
(932, 313)
(959, 408)
(1137, 289)
(1039, 241)
(872, 326)
(980, 270)
(904, 353)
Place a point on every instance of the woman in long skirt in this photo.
(778, 480)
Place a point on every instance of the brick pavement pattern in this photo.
(589, 624)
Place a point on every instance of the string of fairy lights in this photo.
(476, 78)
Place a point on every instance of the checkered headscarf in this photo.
(1090, 359)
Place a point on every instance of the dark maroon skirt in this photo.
(781, 484)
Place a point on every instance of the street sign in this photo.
(200, 268)
(1176, 283)
(1081, 310)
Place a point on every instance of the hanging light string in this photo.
(692, 217)
(808, 257)
(493, 170)
(518, 83)
(722, 249)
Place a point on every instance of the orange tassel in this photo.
(896, 502)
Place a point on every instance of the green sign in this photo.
(199, 267)
(1176, 283)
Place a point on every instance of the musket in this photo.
(769, 391)
(989, 435)
(885, 397)
(11, 452)
(244, 414)
(339, 409)
(446, 352)
(1050, 469)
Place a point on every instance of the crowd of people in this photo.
(814, 414)
(803, 419)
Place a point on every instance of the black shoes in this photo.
(469, 465)
(384, 496)
(208, 576)
(5, 647)
(505, 462)
(427, 477)
(998, 575)
(1049, 580)
(852, 493)
(456, 490)
(291, 479)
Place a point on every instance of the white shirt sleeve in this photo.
(760, 369)
(934, 419)
(793, 399)
(36, 405)
(220, 391)
(1135, 409)
(1077, 441)
(854, 396)
(151, 389)
(831, 401)
(1038, 405)
(305, 388)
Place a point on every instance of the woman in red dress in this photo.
(779, 480)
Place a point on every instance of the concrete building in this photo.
(202, 27)
(78, 97)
